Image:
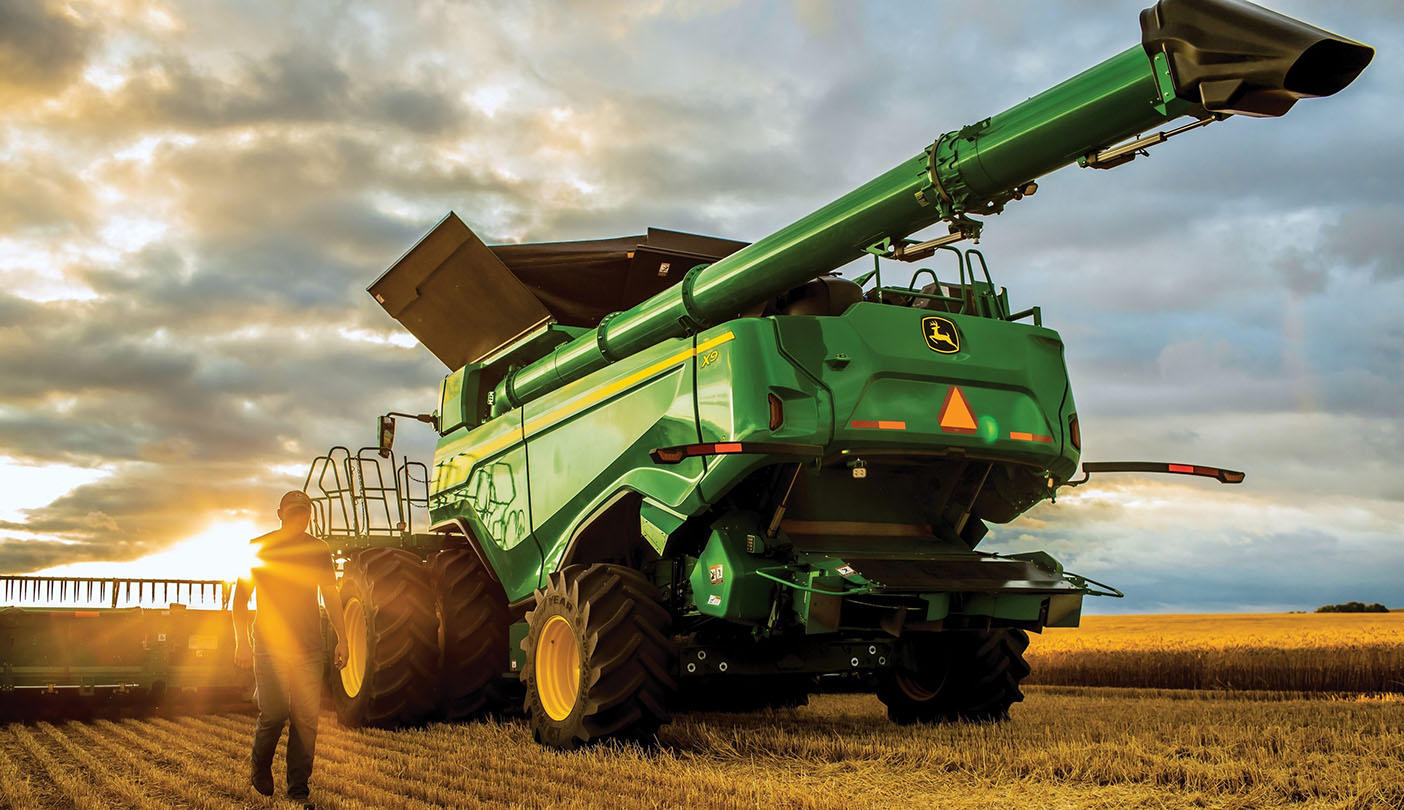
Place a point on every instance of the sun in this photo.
(222, 551)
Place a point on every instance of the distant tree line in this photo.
(1353, 607)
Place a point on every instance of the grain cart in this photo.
(674, 467)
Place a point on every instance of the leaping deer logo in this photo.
(941, 335)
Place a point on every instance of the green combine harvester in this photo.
(679, 471)
(676, 470)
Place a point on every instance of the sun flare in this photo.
(222, 551)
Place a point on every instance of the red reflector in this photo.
(1206, 471)
(1181, 468)
(673, 455)
(1030, 437)
(878, 425)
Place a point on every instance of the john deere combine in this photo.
(673, 467)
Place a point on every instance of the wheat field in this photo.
(1313, 652)
(1067, 747)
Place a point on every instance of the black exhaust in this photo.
(1239, 58)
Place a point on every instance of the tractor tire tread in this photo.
(982, 682)
(394, 583)
(473, 627)
(628, 683)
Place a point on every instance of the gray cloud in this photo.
(41, 47)
(1370, 237)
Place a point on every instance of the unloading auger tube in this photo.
(1207, 59)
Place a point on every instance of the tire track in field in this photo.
(147, 767)
(14, 785)
(118, 784)
(79, 793)
(234, 747)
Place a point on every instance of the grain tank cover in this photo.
(581, 282)
(464, 300)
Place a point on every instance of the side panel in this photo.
(480, 477)
(735, 380)
(590, 440)
(539, 472)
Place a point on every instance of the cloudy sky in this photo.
(193, 199)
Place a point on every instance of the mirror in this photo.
(387, 435)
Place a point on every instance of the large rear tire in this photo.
(957, 676)
(473, 623)
(392, 669)
(599, 657)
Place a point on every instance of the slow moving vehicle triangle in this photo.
(956, 416)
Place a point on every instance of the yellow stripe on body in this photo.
(603, 392)
(573, 407)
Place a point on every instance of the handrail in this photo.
(997, 306)
(355, 495)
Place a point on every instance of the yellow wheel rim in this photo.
(557, 668)
(353, 675)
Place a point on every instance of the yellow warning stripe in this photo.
(590, 398)
(606, 391)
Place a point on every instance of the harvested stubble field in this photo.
(1313, 652)
(1066, 747)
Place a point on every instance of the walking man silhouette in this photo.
(286, 647)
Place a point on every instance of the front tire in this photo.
(392, 641)
(599, 657)
(957, 676)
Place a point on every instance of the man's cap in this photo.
(295, 499)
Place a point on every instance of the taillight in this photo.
(1074, 435)
(777, 412)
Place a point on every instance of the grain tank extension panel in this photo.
(465, 300)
